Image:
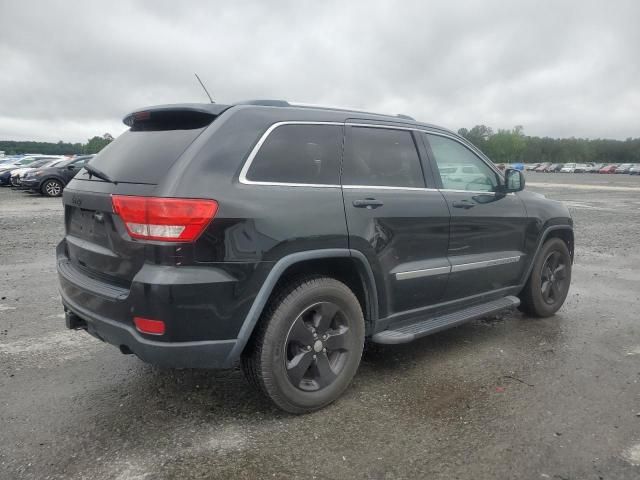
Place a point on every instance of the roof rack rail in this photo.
(266, 103)
(406, 117)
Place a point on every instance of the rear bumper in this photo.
(203, 308)
(205, 354)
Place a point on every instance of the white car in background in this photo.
(568, 168)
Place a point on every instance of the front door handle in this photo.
(466, 204)
(367, 203)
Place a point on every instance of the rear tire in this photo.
(548, 284)
(307, 346)
(52, 188)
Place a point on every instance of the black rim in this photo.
(554, 278)
(317, 346)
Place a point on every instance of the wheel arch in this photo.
(348, 266)
(564, 232)
(50, 177)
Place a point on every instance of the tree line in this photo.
(93, 145)
(512, 146)
(503, 146)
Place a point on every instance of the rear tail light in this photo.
(146, 325)
(164, 219)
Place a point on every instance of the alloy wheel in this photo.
(317, 346)
(52, 188)
(553, 278)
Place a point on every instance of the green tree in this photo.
(95, 144)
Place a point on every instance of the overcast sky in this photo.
(72, 69)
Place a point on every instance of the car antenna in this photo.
(204, 88)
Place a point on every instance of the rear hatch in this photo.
(97, 241)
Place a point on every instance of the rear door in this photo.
(487, 234)
(395, 217)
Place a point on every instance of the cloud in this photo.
(73, 69)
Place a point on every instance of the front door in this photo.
(399, 224)
(487, 235)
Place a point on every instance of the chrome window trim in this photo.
(385, 187)
(254, 152)
(463, 267)
(425, 272)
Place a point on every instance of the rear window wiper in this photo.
(94, 172)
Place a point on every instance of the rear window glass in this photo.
(304, 154)
(144, 156)
(381, 157)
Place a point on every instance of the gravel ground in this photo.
(512, 397)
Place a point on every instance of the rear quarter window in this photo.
(299, 154)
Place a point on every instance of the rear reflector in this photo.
(146, 325)
(164, 219)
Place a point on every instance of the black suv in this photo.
(281, 237)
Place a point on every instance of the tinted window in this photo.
(459, 167)
(143, 156)
(382, 157)
(299, 154)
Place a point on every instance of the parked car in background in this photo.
(635, 170)
(532, 166)
(595, 168)
(542, 167)
(609, 169)
(568, 168)
(581, 168)
(624, 168)
(7, 168)
(42, 162)
(554, 168)
(51, 181)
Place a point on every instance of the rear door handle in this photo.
(466, 204)
(369, 203)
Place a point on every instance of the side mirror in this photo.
(513, 181)
(71, 167)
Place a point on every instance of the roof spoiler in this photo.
(189, 113)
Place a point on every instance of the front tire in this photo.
(307, 346)
(52, 188)
(548, 284)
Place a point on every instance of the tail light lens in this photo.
(164, 219)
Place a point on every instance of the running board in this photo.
(419, 329)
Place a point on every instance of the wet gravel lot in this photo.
(512, 397)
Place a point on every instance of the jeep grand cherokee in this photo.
(282, 237)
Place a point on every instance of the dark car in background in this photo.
(51, 181)
(554, 168)
(281, 237)
(18, 173)
(8, 167)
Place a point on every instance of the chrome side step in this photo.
(421, 328)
